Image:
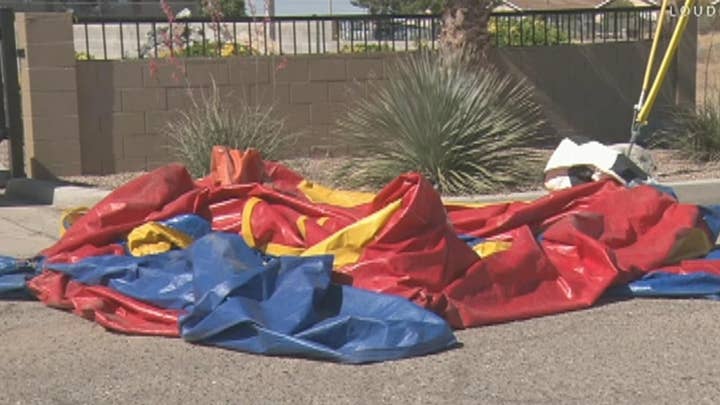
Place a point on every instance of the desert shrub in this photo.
(462, 127)
(520, 31)
(694, 132)
(362, 48)
(211, 121)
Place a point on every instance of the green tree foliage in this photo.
(229, 8)
(520, 31)
(400, 6)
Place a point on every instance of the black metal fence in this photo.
(100, 8)
(11, 127)
(111, 38)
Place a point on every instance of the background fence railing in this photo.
(112, 38)
(100, 8)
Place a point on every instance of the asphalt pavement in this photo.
(638, 351)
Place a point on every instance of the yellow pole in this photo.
(653, 50)
(666, 62)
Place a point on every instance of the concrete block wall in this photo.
(125, 105)
(48, 84)
(100, 117)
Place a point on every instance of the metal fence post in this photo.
(11, 90)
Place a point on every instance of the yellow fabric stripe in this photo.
(490, 247)
(154, 238)
(322, 220)
(341, 198)
(692, 245)
(277, 249)
(300, 223)
(347, 244)
(246, 226)
(69, 216)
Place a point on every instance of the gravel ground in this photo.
(670, 167)
(642, 351)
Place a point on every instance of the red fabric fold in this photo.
(107, 307)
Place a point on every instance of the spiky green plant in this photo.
(462, 127)
(211, 121)
(694, 132)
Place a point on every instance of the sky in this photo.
(310, 7)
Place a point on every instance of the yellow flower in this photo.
(164, 53)
(227, 50)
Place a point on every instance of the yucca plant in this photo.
(694, 132)
(211, 121)
(463, 127)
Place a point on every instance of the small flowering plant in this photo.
(181, 38)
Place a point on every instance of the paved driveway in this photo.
(640, 351)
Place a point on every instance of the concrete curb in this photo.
(62, 195)
(702, 192)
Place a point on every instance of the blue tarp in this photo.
(239, 299)
(661, 284)
(190, 224)
(14, 274)
(163, 280)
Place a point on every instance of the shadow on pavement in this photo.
(5, 202)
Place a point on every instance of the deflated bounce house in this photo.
(255, 258)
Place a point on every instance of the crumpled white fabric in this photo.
(574, 163)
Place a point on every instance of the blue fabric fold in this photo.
(670, 285)
(14, 274)
(164, 280)
(237, 298)
(289, 306)
(190, 224)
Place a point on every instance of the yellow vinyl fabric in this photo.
(340, 198)
(490, 247)
(695, 243)
(345, 245)
(69, 216)
(153, 238)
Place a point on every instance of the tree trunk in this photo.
(465, 27)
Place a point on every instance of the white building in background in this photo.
(305, 7)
